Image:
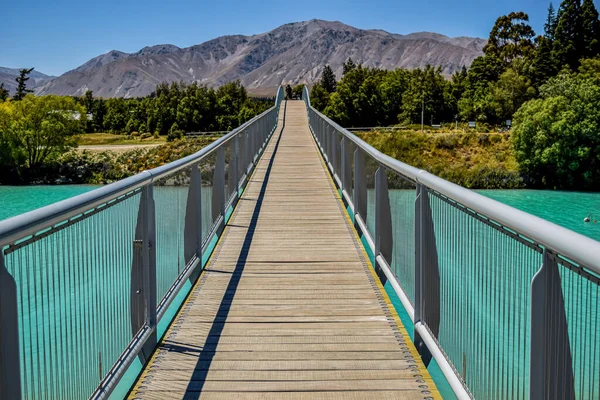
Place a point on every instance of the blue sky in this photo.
(59, 35)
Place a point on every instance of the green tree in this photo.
(319, 97)
(328, 79)
(88, 103)
(98, 113)
(3, 92)
(116, 116)
(22, 84)
(297, 91)
(590, 29)
(556, 138)
(392, 87)
(511, 38)
(550, 25)
(567, 45)
(509, 93)
(348, 66)
(174, 133)
(544, 65)
(458, 84)
(426, 92)
(41, 128)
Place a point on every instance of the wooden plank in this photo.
(287, 306)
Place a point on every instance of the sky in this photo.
(59, 35)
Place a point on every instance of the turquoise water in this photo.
(567, 209)
(15, 200)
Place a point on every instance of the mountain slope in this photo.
(8, 75)
(293, 53)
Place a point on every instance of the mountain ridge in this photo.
(8, 76)
(291, 53)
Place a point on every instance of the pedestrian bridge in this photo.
(289, 259)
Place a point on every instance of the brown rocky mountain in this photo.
(293, 53)
(8, 75)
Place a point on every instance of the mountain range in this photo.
(292, 53)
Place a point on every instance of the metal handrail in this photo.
(559, 251)
(20, 226)
(575, 246)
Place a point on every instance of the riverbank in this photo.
(473, 160)
(101, 167)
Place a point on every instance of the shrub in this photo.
(174, 133)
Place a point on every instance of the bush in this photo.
(556, 138)
(174, 133)
(145, 136)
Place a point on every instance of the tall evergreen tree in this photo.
(544, 66)
(590, 29)
(3, 92)
(22, 84)
(567, 46)
(88, 103)
(348, 66)
(550, 25)
(328, 79)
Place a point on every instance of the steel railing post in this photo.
(247, 153)
(360, 186)
(236, 168)
(343, 161)
(383, 217)
(149, 265)
(192, 237)
(418, 252)
(551, 365)
(143, 272)
(427, 275)
(218, 189)
(10, 370)
(333, 162)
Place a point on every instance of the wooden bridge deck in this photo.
(288, 306)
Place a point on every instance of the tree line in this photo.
(514, 66)
(175, 108)
(36, 130)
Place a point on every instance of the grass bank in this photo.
(104, 139)
(473, 160)
(94, 167)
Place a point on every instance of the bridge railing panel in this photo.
(505, 302)
(84, 282)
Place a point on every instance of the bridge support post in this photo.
(551, 366)
(143, 273)
(10, 370)
(323, 137)
(218, 190)
(334, 152)
(346, 167)
(193, 222)
(247, 153)
(427, 275)
(383, 216)
(360, 186)
(236, 166)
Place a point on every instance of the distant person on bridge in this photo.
(288, 93)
